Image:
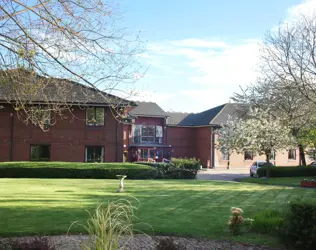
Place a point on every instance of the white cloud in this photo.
(233, 64)
(307, 7)
(210, 73)
(200, 43)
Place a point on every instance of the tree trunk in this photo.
(302, 155)
(228, 162)
(268, 164)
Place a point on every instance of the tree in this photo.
(287, 83)
(260, 133)
(307, 138)
(288, 55)
(42, 40)
(284, 102)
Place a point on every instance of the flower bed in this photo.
(308, 183)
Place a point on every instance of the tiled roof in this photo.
(148, 109)
(64, 91)
(213, 116)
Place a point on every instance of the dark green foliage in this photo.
(168, 244)
(72, 165)
(299, 226)
(287, 171)
(37, 243)
(179, 168)
(267, 221)
(186, 163)
(171, 172)
(75, 170)
(154, 164)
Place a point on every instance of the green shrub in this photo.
(154, 164)
(267, 221)
(287, 171)
(75, 170)
(186, 163)
(178, 169)
(176, 173)
(298, 228)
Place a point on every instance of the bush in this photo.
(186, 163)
(287, 171)
(176, 173)
(267, 221)
(75, 170)
(298, 228)
(179, 168)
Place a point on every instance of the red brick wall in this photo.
(67, 137)
(202, 142)
(181, 140)
(191, 142)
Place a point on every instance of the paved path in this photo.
(222, 174)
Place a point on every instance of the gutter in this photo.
(11, 137)
(116, 140)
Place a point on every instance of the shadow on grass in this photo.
(169, 211)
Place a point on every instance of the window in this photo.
(40, 152)
(224, 155)
(95, 116)
(94, 154)
(158, 134)
(147, 134)
(272, 156)
(312, 154)
(292, 154)
(248, 155)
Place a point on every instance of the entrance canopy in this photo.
(155, 153)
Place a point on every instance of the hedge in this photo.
(298, 229)
(186, 163)
(75, 170)
(287, 171)
(178, 168)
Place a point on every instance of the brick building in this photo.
(188, 135)
(90, 133)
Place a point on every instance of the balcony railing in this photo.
(147, 140)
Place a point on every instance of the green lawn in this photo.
(287, 181)
(195, 208)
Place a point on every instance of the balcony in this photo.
(147, 140)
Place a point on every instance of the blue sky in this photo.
(199, 52)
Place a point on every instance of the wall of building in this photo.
(238, 161)
(67, 138)
(202, 145)
(182, 141)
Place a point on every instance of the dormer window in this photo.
(95, 116)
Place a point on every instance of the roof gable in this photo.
(194, 119)
(150, 109)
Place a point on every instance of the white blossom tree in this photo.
(260, 133)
